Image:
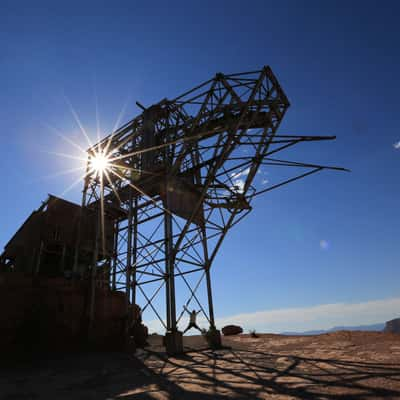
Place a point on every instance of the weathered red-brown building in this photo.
(45, 244)
(47, 299)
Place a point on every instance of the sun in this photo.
(99, 163)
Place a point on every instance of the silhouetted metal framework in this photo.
(181, 175)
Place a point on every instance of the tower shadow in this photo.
(249, 374)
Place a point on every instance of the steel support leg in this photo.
(167, 280)
(92, 298)
(114, 261)
(210, 299)
(213, 335)
(128, 265)
(169, 267)
(173, 338)
(134, 250)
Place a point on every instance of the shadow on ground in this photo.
(199, 374)
(250, 374)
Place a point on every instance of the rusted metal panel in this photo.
(182, 197)
(46, 241)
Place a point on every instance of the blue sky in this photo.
(338, 63)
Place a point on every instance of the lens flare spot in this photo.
(323, 244)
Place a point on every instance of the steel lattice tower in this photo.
(181, 175)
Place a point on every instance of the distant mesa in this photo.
(230, 330)
(392, 326)
(370, 328)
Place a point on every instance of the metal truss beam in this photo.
(180, 176)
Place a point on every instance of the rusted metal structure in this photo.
(179, 176)
(43, 305)
(45, 243)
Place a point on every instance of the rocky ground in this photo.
(340, 365)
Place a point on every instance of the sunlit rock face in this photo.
(393, 326)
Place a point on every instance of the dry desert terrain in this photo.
(340, 365)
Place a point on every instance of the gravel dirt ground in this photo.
(340, 365)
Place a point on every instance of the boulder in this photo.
(140, 334)
(392, 326)
(229, 330)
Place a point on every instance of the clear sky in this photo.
(332, 238)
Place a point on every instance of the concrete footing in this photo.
(174, 342)
(214, 338)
